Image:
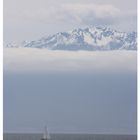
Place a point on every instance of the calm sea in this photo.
(69, 137)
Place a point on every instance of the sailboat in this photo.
(46, 135)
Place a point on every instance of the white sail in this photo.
(46, 135)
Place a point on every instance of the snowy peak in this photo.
(92, 38)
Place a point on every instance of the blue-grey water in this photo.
(69, 137)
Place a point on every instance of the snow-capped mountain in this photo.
(92, 38)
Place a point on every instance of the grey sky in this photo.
(29, 19)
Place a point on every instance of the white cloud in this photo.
(74, 13)
(30, 20)
(81, 15)
(43, 60)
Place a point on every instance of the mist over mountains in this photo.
(90, 39)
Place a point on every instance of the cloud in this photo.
(75, 13)
(43, 60)
(81, 14)
(29, 21)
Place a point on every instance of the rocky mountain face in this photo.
(91, 38)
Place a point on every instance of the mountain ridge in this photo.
(90, 38)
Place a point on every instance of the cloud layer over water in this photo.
(42, 60)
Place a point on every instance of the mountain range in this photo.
(90, 38)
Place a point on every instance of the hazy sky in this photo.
(29, 19)
(71, 92)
